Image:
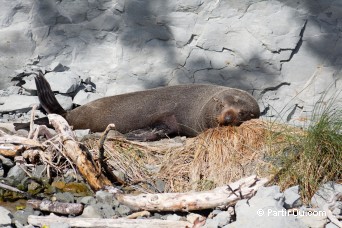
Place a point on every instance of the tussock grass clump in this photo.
(315, 157)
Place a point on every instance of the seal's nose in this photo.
(228, 119)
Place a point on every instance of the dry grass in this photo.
(215, 157)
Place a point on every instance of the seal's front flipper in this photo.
(163, 128)
(144, 135)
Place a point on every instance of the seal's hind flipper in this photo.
(46, 97)
(39, 121)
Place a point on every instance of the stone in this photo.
(123, 210)
(65, 197)
(316, 219)
(107, 210)
(104, 197)
(80, 133)
(17, 103)
(292, 198)
(116, 88)
(5, 218)
(173, 217)
(88, 200)
(2, 171)
(6, 161)
(324, 195)
(21, 216)
(331, 225)
(39, 171)
(160, 185)
(265, 209)
(57, 67)
(83, 97)
(62, 82)
(211, 223)
(91, 211)
(64, 101)
(223, 218)
(15, 175)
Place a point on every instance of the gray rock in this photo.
(39, 171)
(21, 216)
(66, 197)
(62, 82)
(107, 211)
(265, 209)
(211, 223)
(123, 210)
(88, 200)
(292, 198)
(91, 211)
(6, 161)
(83, 97)
(57, 67)
(160, 185)
(173, 217)
(64, 101)
(15, 175)
(324, 195)
(223, 218)
(81, 133)
(316, 219)
(5, 218)
(17, 103)
(331, 225)
(104, 197)
(2, 171)
(116, 88)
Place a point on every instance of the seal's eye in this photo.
(228, 119)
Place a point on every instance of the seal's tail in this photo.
(46, 97)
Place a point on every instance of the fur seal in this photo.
(155, 113)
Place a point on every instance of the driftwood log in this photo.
(80, 158)
(220, 196)
(12, 145)
(95, 222)
(56, 207)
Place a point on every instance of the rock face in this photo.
(286, 53)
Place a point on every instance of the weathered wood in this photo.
(10, 150)
(73, 151)
(95, 222)
(220, 196)
(56, 207)
(17, 140)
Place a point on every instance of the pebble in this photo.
(123, 210)
(5, 218)
(15, 175)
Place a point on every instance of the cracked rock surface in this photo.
(286, 53)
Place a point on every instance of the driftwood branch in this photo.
(17, 140)
(56, 207)
(95, 222)
(221, 196)
(80, 158)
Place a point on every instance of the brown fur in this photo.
(183, 109)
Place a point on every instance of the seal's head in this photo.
(234, 109)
